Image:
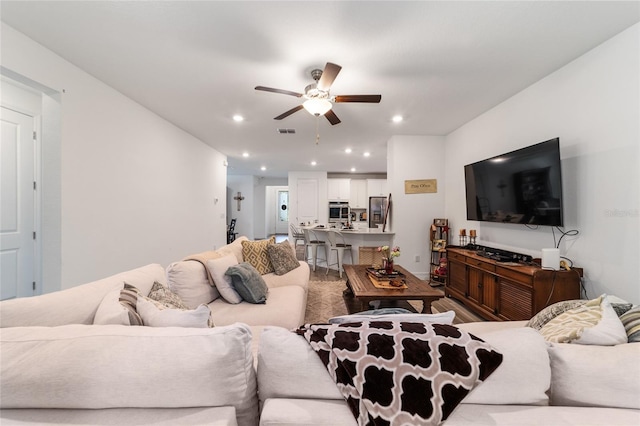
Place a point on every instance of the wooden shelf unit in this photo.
(439, 238)
(501, 292)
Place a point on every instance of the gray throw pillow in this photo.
(282, 257)
(248, 282)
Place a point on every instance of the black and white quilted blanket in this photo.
(401, 373)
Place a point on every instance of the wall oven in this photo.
(339, 212)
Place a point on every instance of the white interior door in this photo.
(282, 211)
(17, 204)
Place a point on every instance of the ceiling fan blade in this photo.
(332, 117)
(288, 113)
(328, 75)
(359, 98)
(283, 92)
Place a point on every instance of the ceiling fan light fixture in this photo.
(317, 107)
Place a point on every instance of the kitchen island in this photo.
(367, 237)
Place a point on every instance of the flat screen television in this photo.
(522, 186)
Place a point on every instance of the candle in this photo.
(463, 232)
(472, 232)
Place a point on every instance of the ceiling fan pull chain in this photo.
(317, 129)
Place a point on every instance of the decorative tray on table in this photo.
(381, 279)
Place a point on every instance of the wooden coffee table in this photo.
(363, 290)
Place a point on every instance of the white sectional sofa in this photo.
(58, 367)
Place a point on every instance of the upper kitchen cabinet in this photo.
(377, 188)
(359, 198)
(339, 189)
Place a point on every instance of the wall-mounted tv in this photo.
(522, 186)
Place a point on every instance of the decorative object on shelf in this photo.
(472, 236)
(387, 257)
(463, 237)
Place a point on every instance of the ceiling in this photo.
(439, 64)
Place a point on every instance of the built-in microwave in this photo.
(339, 212)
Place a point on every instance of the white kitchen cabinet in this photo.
(359, 198)
(377, 188)
(338, 189)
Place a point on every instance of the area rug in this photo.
(324, 301)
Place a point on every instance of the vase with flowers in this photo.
(388, 254)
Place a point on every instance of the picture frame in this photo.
(438, 245)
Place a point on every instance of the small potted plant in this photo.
(388, 254)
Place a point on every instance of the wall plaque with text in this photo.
(424, 186)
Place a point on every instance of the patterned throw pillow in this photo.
(631, 322)
(393, 372)
(129, 298)
(282, 257)
(164, 298)
(594, 323)
(552, 311)
(255, 252)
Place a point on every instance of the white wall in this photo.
(323, 203)
(592, 104)
(134, 188)
(245, 217)
(415, 158)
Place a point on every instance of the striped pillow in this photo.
(129, 299)
(631, 322)
(255, 253)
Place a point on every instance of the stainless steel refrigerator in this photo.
(377, 210)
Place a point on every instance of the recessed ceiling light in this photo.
(366, 154)
(348, 150)
(263, 168)
(397, 118)
(313, 163)
(238, 118)
(353, 169)
(245, 154)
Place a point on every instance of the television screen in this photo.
(522, 186)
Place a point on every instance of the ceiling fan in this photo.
(318, 99)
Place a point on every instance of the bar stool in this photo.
(337, 243)
(312, 240)
(296, 234)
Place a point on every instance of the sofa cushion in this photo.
(189, 280)
(119, 307)
(308, 412)
(193, 416)
(285, 308)
(218, 268)
(248, 283)
(155, 314)
(282, 257)
(76, 305)
(289, 368)
(255, 253)
(298, 277)
(524, 375)
(631, 322)
(594, 323)
(601, 376)
(51, 367)
(234, 248)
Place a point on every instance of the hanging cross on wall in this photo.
(239, 199)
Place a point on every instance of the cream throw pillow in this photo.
(217, 269)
